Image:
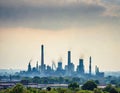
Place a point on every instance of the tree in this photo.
(97, 82)
(48, 88)
(24, 82)
(36, 79)
(73, 85)
(97, 90)
(19, 88)
(89, 85)
(61, 80)
(113, 82)
(113, 90)
(109, 88)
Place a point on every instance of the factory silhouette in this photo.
(69, 69)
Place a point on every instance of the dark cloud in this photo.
(49, 16)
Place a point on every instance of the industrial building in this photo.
(44, 70)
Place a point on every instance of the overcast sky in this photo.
(86, 27)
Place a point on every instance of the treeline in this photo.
(68, 80)
(60, 80)
(52, 80)
(87, 87)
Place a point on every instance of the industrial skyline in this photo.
(68, 70)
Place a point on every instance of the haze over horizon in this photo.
(86, 27)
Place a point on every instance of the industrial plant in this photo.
(44, 70)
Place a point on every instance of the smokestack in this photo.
(90, 65)
(42, 58)
(69, 58)
(69, 62)
(81, 66)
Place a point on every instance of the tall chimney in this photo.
(69, 62)
(90, 65)
(42, 58)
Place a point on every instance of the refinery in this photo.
(44, 70)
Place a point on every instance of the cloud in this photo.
(53, 14)
(112, 8)
(48, 16)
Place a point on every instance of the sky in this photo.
(85, 27)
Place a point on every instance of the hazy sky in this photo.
(86, 27)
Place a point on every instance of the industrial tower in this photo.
(69, 62)
(90, 65)
(42, 58)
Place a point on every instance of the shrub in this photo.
(73, 85)
(48, 88)
(97, 90)
(19, 88)
(89, 85)
(109, 88)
